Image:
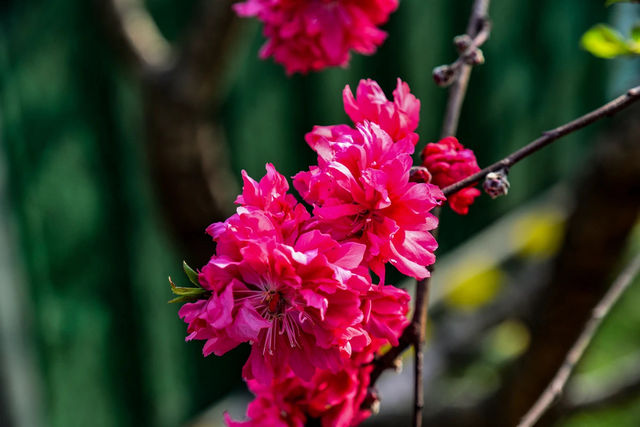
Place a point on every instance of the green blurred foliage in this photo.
(95, 248)
(605, 42)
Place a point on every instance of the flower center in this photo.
(364, 221)
(272, 304)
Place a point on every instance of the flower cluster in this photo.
(296, 283)
(309, 35)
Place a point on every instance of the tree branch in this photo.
(204, 52)
(136, 34)
(189, 160)
(420, 322)
(601, 310)
(478, 30)
(548, 137)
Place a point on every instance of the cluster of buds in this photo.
(469, 54)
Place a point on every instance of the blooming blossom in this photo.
(281, 403)
(295, 296)
(361, 192)
(309, 35)
(335, 398)
(449, 162)
(288, 401)
(398, 118)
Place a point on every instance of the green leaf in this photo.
(604, 42)
(184, 291)
(610, 2)
(191, 274)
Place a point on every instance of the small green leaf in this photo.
(180, 290)
(610, 2)
(191, 274)
(604, 42)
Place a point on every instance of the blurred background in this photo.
(112, 166)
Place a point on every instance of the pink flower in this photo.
(334, 398)
(361, 193)
(294, 294)
(309, 35)
(449, 162)
(281, 403)
(386, 309)
(266, 209)
(398, 118)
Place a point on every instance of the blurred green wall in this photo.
(91, 245)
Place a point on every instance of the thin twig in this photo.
(419, 319)
(555, 388)
(478, 29)
(548, 137)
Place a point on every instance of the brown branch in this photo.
(136, 33)
(478, 30)
(548, 137)
(607, 201)
(420, 320)
(205, 52)
(555, 388)
(189, 159)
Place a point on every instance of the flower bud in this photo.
(474, 57)
(462, 42)
(419, 174)
(496, 184)
(443, 75)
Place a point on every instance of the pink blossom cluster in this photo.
(449, 162)
(309, 35)
(296, 283)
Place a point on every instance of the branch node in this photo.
(462, 42)
(397, 365)
(496, 183)
(473, 57)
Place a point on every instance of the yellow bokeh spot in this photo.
(474, 284)
(538, 235)
(508, 340)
